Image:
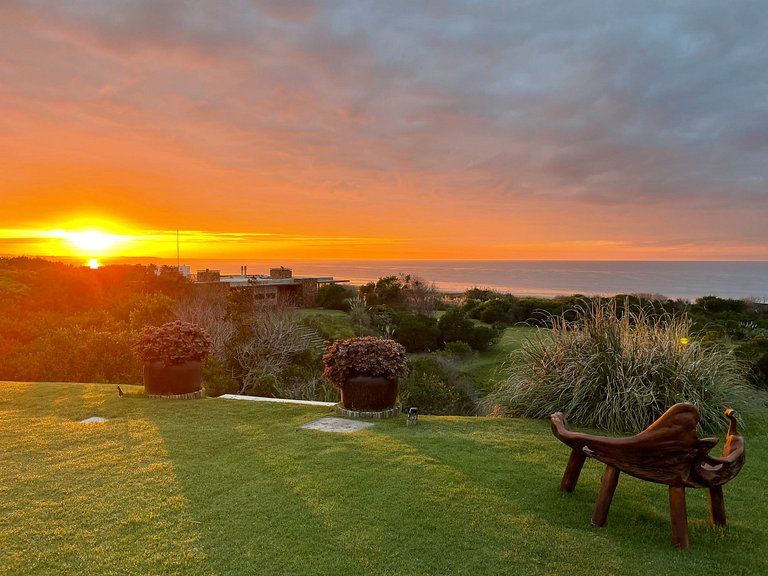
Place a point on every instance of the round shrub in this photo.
(435, 386)
(456, 325)
(458, 348)
(416, 332)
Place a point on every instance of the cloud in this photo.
(627, 109)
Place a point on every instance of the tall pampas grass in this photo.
(618, 370)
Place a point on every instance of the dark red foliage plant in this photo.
(173, 343)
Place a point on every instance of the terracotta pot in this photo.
(160, 379)
(369, 393)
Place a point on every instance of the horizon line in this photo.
(404, 259)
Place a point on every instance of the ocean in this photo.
(684, 280)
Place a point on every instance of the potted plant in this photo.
(366, 370)
(172, 354)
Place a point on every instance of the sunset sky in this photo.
(385, 129)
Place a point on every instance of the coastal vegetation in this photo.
(66, 323)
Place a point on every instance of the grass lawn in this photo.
(226, 487)
(486, 368)
(331, 324)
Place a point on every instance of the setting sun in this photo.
(93, 264)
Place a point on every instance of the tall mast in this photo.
(178, 259)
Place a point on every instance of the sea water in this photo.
(686, 280)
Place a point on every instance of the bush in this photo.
(496, 310)
(72, 354)
(217, 380)
(715, 305)
(387, 290)
(382, 319)
(618, 373)
(755, 354)
(482, 337)
(455, 325)
(268, 341)
(417, 333)
(458, 349)
(435, 386)
(305, 383)
(334, 297)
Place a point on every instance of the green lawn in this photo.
(227, 487)
(330, 324)
(487, 367)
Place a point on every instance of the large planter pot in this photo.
(173, 380)
(369, 393)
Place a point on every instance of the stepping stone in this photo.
(93, 419)
(331, 424)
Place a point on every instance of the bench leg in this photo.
(717, 505)
(678, 516)
(572, 470)
(608, 484)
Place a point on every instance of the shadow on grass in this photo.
(521, 459)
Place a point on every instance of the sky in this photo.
(440, 129)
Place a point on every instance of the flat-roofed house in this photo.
(281, 287)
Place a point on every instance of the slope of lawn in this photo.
(330, 324)
(231, 487)
(486, 368)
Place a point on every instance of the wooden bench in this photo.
(668, 452)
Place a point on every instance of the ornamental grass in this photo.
(618, 370)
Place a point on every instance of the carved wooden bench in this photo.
(667, 452)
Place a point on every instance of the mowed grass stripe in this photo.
(90, 498)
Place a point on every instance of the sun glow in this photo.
(93, 264)
(90, 241)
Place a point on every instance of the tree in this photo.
(334, 297)
(265, 347)
(208, 308)
(401, 292)
(153, 309)
(420, 296)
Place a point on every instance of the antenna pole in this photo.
(178, 259)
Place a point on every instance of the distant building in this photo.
(207, 276)
(280, 287)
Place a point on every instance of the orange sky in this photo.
(273, 130)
